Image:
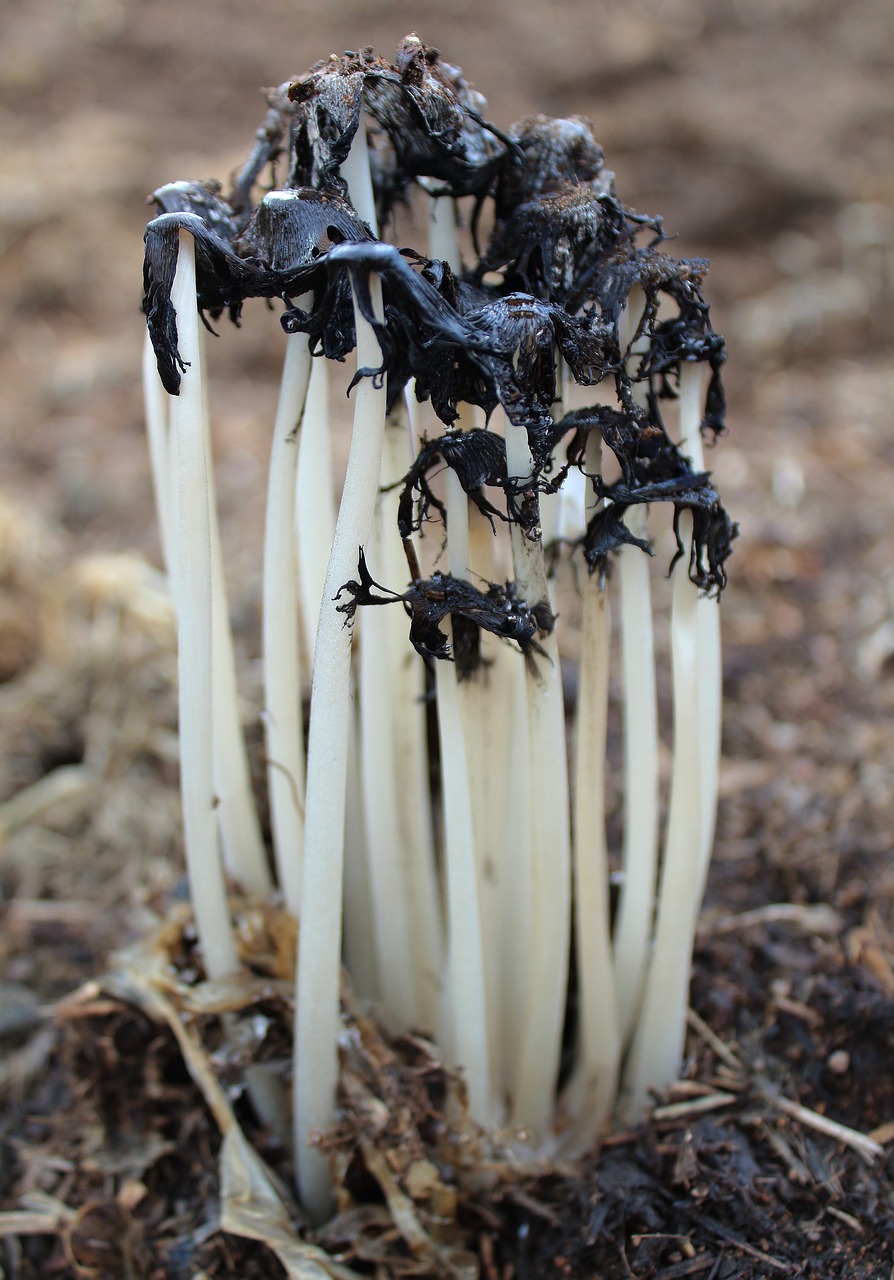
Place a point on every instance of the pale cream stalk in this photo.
(516, 850)
(155, 402)
(243, 847)
(314, 504)
(192, 512)
(477, 715)
(359, 927)
(319, 953)
(315, 529)
(549, 886)
(403, 884)
(240, 833)
(283, 730)
(592, 1094)
(656, 1050)
(636, 902)
(467, 1015)
(710, 662)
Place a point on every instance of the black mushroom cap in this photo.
(564, 260)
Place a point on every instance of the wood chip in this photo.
(883, 1134)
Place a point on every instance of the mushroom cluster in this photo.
(454, 888)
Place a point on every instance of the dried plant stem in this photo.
(593, 1092)
(549, 884)
(317, 1010)
(192, 507)
(282, 692)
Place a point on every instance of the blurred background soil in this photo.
(763, 132)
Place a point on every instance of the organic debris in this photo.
(142, 1121)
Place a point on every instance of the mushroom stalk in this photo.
(243, 848)
(155, 403)
(636, 903)
(656, 1050)
(710, 663)
(473, 921)
(592, 1093)
(467, 1023)
(314, 504)
(319, 951)
(192, 507)
(549, 885)
(403, 885)
(282, 690)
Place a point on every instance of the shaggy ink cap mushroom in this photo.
(573, 288)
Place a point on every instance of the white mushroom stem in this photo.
(358, 175)
(243, 848)
(332, 731)
(482, 718)
(155, 401)
(359, 949)
(473, 921)
(192, 512)
(657, 1047)
(657, 1050)
(319, 951)
(282, 691)
(593, 1091)
(549, 885)
(636, 903)
(516, 860)
(403, 884)
(315, 530)
(709, 646)
(314, 504)
(467, 1027)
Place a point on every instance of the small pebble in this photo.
(839, 1061)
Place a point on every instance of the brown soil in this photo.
(762, 132)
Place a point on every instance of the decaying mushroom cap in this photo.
(563, 258)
